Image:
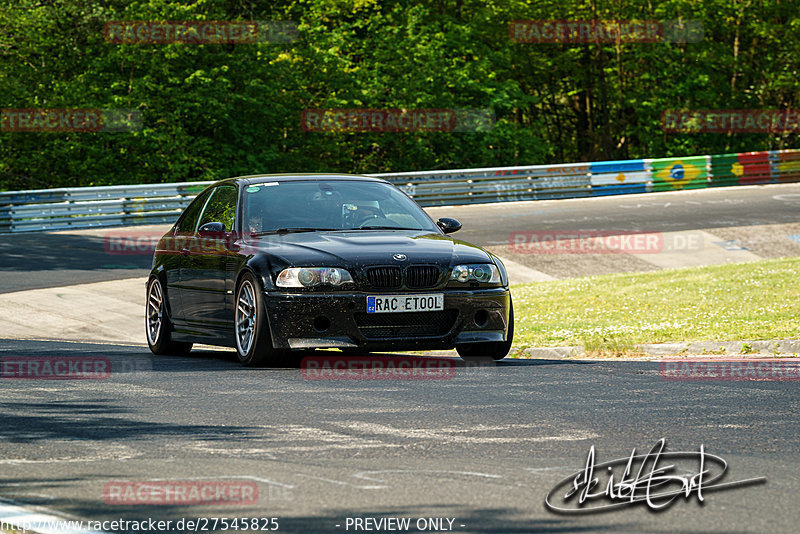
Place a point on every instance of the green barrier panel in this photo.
(673, 174)
(722, 170)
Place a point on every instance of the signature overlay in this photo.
(656, 480)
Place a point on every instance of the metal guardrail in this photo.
(125, 205)
(89, 207)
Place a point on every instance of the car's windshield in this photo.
(330, 205)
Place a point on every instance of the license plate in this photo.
(405, 303)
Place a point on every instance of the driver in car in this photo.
(362, 212)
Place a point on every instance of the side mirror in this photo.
(448, 225)
(212, 229)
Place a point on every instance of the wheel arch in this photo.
(259, 266)
(161, 273)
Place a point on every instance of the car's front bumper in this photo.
(310, 320)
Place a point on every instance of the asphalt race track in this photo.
(481, 445)
(484, 446)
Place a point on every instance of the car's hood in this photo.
(372, 247)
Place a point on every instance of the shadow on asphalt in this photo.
(56, 252)
(126, 359)
(34, 422)
(34, 260)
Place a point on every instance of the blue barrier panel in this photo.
(619, 177)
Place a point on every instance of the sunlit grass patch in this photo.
(755, 300)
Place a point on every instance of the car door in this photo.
(178, 246)
(204, 273)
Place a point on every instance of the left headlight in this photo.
(312, 276)
(485, 273)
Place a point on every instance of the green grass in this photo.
(752, 301)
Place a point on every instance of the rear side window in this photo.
(188, 223)
(221, 207)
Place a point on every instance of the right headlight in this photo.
(485, 273)
(312, 276)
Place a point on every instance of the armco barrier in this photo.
(122, 205)
(722, 170)
(747, 168)
(785, 165)
(671, 174)
(475, 186)
(620, 177)
(87, 207)
(755, 168)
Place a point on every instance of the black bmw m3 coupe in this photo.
(272, 264)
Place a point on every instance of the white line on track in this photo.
(341, 482)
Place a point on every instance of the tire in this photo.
(496, 350)
(158, 327)
(251, 329)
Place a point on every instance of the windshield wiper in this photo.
(284, 231)
(389, 228)
(281, 231)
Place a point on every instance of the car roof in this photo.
(260, 178)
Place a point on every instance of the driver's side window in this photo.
(221, 207)
(188, 224)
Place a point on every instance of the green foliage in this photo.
(216, 110)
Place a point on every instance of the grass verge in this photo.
(612, 313)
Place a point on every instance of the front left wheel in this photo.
(157, 323)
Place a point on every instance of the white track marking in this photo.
(520, 274)
(701, 248)
(363, 474)
(451, 435)
(234, 477)
(341, 483)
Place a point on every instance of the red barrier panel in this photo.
(754, 168)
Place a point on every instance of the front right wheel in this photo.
(253, 341)
(496, 350)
